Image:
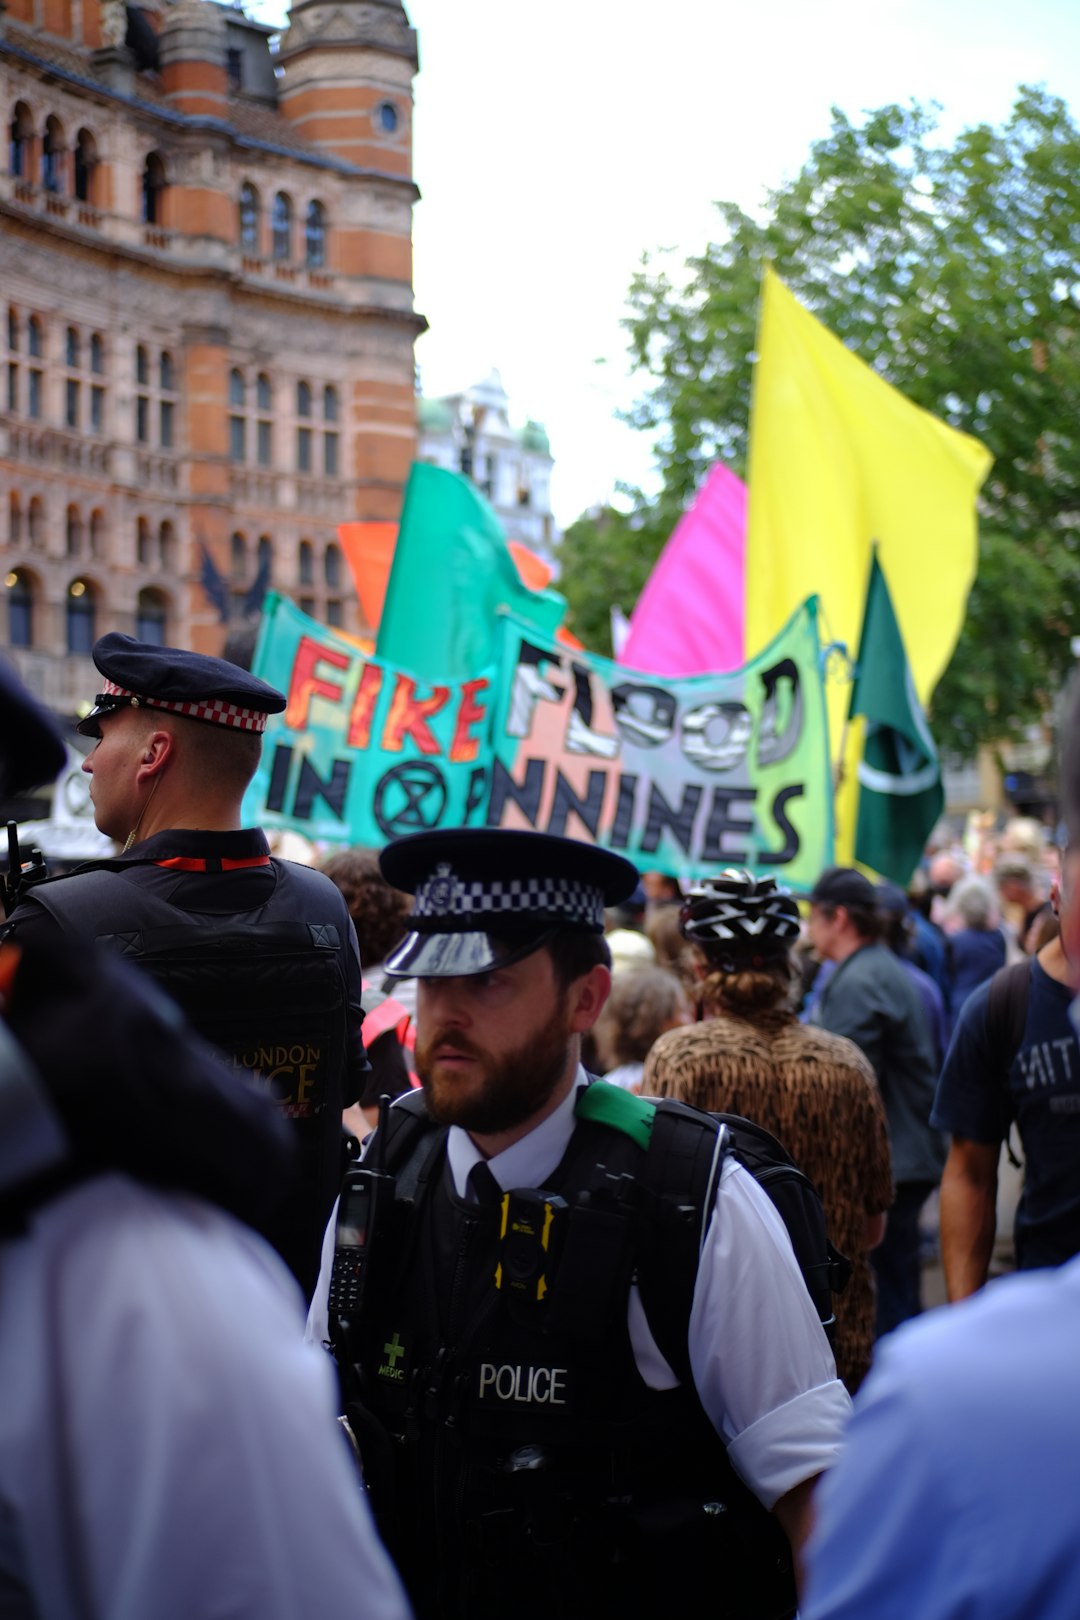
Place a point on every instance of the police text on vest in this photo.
(541, 1386)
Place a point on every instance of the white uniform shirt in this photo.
(168, 1445)
(761, 1362)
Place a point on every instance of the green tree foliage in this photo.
(955, 271)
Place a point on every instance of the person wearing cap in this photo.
(583, 1337)
(260, 953)
(870, 999)
(815, 1092)
(168, 1444)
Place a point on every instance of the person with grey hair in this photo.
(976, 942)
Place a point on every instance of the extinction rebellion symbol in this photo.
(410, 798)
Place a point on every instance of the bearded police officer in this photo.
(573, 1332)
(260, 953)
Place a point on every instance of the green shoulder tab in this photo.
(621, 1110)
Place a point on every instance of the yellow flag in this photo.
(839, 461)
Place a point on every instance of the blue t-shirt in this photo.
(1041, 1091)
(955, 1495)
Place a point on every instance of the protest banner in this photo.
(684, 775)
(364, 752)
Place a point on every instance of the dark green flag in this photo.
(900, 791)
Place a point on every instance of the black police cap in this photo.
(486, 897)
(139, 674)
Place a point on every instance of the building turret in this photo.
(191, 53)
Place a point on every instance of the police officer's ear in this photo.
(159, 746)
(587, 996)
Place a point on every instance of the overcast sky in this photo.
(557, 141)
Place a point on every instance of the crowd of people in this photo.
(564, 1345)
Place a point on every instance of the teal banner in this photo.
(364, 752)
(685, 776)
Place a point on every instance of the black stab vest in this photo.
(529, 1470)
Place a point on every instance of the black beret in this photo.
(138, 674)
(31, 748)
(487, 896)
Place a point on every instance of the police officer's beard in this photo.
(507, 1090)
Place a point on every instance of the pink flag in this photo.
(690, 618)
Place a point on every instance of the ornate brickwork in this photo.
(206, 319)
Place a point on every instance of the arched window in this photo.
(142, 366)
(167, 547)
(97, 355)
(237, 388)
(72, 348)
(305, 563)
(153, 188)
(315, 236)
(166, 373)
(20, 606)
(14, 520)
(36, 522)
(86, 159)
(238, 556)
(21, 137)
(248, 212)
(53, 156)
(13, 330)
(303, 399)
(151, 617)
(330, 403)
(281, 227)
(34, 337)
(97, 533)
(81, 618)
(263, 392)
(142, 542)
(264, 557)
(332, 567)
(73, 530)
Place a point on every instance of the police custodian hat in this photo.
(138, 674)
(486, 898)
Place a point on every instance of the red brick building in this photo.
(206, 315)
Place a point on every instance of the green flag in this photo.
(900, 792)
(451, 575)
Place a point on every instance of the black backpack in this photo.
(825, 1270)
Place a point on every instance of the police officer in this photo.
(574, 1334)
(167, 1447)
(260, 953)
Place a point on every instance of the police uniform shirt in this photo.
(762, 1366)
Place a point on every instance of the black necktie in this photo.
(483, 1186)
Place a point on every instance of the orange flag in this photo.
(369, 548)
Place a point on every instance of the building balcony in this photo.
(61, 683)
(60, 449)
(249, 487)
(157, 470)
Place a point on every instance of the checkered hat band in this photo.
(444, 896)
(215, 710)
